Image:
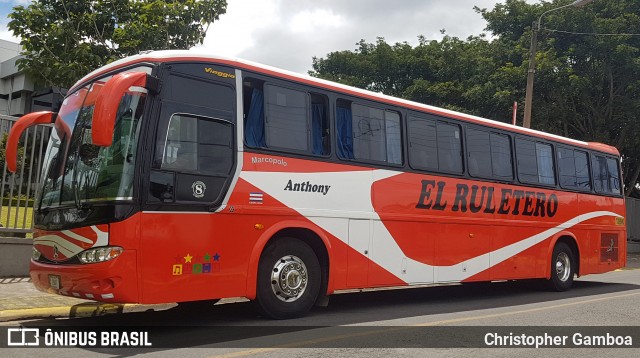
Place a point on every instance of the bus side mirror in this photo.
(107, 103)
(18, 128)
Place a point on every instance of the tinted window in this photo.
(449, 147)
(606, 177)
(200, 93)
(320, 142)
(573, 169)
(489, 155)
(501, 161)
(368, 133)
(423, 144)
(286, 123)
(434, 145)
(535, 162)
(544, 156)
(285, 119)
(394, 141)
(198, 144)
(479, 149)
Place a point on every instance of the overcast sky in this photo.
(288, 33)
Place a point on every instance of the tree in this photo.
(587, 86)
(64, 40)
(588, 73)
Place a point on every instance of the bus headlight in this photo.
(35, 254)
(100, 254)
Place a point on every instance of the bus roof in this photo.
(194, 55)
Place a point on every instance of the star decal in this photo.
(207, 257)
(187, 258)
(216, 257)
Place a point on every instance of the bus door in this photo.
(192, 165)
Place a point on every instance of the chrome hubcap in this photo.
(563, 267)
(289, 278)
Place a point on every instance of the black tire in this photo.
(563, 268)
(289, 279)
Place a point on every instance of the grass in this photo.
(22, 223)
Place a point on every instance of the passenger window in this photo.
(449, 147)
(320, 139)
(285, 119)
(501, 161)
(606, 176)
(423, 144)
(573, 169)
(489, 155)
(286, 122)
(479, 153)
(535, 162)
(368, 133)
(434, 145)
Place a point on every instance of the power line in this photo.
(586, 33)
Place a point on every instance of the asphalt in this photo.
(20, 300)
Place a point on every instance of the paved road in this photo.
(384, 323)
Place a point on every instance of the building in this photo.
(18, 93)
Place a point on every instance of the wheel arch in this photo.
(569, 239)
(305, 232)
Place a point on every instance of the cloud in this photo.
(288, 34)
(8, 35)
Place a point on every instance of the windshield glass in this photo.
(77, 171)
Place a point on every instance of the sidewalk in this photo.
(19, 299)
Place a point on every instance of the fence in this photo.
(633, 219)
(18, 190)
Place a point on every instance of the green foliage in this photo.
(64, 40)
(3, 146)
(586, 87)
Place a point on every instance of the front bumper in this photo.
(111, 281)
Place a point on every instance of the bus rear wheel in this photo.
(563, 266)
(289, 279)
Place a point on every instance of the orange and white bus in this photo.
(175, 176)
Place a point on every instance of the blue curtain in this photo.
(254, 129)
(317, 117)
(345, 133)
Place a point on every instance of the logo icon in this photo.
(256, 198)
(177, 270)
(22, 337)
(611, 246)
(198, 188)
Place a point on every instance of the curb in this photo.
(90, 309)
(27, 313)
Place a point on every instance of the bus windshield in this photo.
(78, 172)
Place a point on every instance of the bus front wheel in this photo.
(288, 279)
(563, 268)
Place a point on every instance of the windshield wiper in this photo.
(74, 181)
(80, 205)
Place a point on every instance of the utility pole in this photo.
(530, 72)
(535, 28)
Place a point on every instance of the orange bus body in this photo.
(373, 227)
